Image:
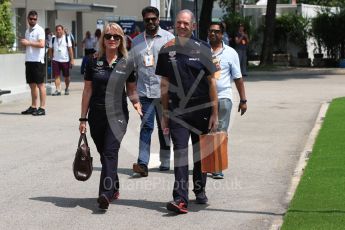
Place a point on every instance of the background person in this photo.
(89, 49)
(61, 53)
(242, 41)
(145, 49)
(228, 70)
(98, 33)
(88, 44)
(97, 74)
(34, 42)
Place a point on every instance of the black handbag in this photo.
(82, 164)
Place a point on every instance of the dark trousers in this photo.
(108, 146)
(181, 128)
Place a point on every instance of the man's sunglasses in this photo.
(114, 36)
(214, 31)
(147, 20)
(33, 19)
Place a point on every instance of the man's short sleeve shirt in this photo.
(34, 54)
(60, 48)
(229, 70)
(148, 83)
(187, 67)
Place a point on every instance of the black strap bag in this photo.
(82, 164)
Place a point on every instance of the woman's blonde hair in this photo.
(122, 47)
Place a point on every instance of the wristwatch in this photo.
(243, 101)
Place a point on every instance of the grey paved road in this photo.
(38, 190)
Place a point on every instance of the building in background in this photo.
(78, 15)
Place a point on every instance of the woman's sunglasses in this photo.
(114, 36)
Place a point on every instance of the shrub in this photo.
(7, 36)
(291, 28)
(328, 30)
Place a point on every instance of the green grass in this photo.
(319, 201)
(4, 50)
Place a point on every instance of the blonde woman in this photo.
(112, 45)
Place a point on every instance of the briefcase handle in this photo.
(83, 138)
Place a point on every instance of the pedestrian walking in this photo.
(145, 49)
(98, 71)
(228, 71)
(61, 53)
(190, 106)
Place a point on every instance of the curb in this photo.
(298, 71)
(302, 162)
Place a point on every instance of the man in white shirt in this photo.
(34, 42)
(61, 53)
(145, 50)
(228, 70)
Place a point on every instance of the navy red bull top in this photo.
(187, 67)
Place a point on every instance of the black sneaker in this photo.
(66, 91)
(178, 207)
(103, 202)
(56, 93)
(30, 110)
(39, 112)
(164, 168)
(141, 169)
(201, 198)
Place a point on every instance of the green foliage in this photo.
(324, 2)
(7, 36)
(291, 28)
(329, 31)
(233, 20)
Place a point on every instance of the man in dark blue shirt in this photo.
(190, 104)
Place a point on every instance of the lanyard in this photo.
(149, 46)
(59, 43)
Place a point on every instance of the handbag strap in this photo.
(83, 138)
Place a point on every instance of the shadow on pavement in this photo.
(129, 171)
(3, 113)
(91, 204)
(64, 202)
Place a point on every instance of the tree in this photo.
(267, 46)
(229, 5)
(6, 28)
(205, 18)
(291, 27)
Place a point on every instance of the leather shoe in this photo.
(201, 198)
(141, 169)
(103, 202)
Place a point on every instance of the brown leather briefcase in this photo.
(214, 152)
(82, 164)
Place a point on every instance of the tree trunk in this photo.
(267, 46)
(205, 18)
(233, 6)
